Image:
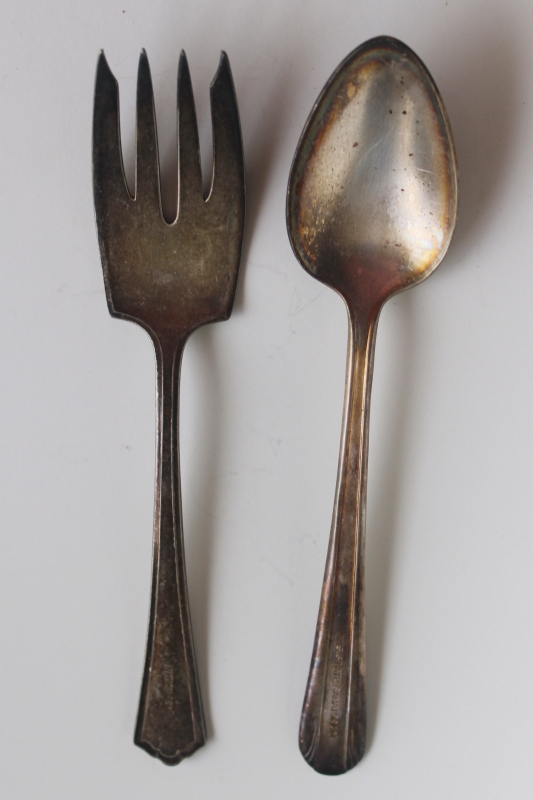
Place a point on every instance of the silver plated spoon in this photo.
(371, 209)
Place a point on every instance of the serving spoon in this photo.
(371, 209)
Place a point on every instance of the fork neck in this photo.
(168, 354)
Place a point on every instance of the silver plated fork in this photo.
(170, 279)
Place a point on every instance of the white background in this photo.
(450, 546)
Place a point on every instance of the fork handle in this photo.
(333, 722)
(170, 722)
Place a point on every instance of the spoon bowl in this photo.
(371, 208)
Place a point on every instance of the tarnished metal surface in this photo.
(171, 279)
(371, 209)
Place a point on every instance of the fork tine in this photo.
(228, 157)
(147, 163)
(109, 183)
(189, 168)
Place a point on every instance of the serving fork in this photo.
(170, 279)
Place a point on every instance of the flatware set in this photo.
(371, 208)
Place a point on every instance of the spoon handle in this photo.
(170, 723)
(333, 722)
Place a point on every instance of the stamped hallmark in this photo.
(336, 686)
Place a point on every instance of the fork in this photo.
(170, 279)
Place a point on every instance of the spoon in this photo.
(371, 209)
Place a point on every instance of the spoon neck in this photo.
(362, 322)
(351, 486)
